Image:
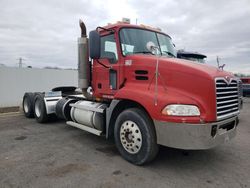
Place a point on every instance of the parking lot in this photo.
(57, 155)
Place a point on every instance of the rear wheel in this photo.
(40, 109)
(135, 136)
(28, 105)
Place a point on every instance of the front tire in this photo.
(135, 136)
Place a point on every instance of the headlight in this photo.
(181, 110)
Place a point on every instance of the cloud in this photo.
(45, 32)
(215, 28)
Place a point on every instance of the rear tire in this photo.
(40, 109)
(28, 104)
(135, 136)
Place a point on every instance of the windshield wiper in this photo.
(168, 53)
(142, 52)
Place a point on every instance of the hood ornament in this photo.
(220, 67)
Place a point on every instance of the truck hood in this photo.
(196, 68)
(184, 66)
(180, 81)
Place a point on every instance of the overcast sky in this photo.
(44, 32)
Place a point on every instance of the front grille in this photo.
(240, 88)
(227, 98)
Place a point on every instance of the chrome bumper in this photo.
(195, 136)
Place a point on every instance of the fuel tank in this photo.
(86, 113)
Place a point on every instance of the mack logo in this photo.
(228, 80)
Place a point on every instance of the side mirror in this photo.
(152, 47)
(94, 45)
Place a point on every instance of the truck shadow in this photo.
(167, 158)
(170, 158)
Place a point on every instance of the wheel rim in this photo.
(130, 137)
(25, 105)
(37, 109)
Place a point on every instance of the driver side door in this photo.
(105, 69)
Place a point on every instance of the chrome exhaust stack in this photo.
(83, 61)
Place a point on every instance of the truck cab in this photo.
(118, 44)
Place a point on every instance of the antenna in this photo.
(154, 50)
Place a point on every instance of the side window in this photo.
(108, 48)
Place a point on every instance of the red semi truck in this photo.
(135, 90)
(245, 86)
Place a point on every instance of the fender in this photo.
(141, 94)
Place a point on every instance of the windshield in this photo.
(134, 41)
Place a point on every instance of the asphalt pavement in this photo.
(57, 155)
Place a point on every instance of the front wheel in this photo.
(135, 136)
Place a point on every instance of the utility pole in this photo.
(20, 62)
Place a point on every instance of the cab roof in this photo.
(120, 25)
